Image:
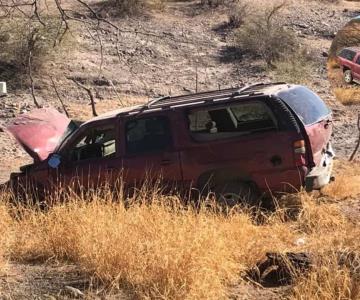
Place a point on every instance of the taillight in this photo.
(299, 153)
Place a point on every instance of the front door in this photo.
(90, 158)
(149, 153)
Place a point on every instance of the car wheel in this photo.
(234, 193)
(348, 78)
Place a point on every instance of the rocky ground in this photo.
(180, 43)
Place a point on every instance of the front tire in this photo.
(348, 78)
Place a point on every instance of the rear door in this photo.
(315, 116)
(149, 154)
(356, 72)
(242, 141)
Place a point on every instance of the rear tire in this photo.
(348, 78)
(233, 193)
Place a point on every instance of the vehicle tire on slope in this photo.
(348, 78)
(234, 192)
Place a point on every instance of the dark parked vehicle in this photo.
(349, 59)
(239, 141)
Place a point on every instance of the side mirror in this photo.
(54, 161)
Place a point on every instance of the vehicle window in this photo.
(233, 120)
(95, 143)
(358, 60)
(309, 107)
(347, 54)
(150, 134)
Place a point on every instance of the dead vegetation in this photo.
(155, 247)
(262, 36)
(347, 96)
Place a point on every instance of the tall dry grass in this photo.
(347, 183)
(156, 247)
(155, 251)
(349, 95)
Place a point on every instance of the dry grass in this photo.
(153, 250)
(348, 96)
(155, 247)
(347, 183)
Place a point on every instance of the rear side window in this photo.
(308, 106)
(149, 134)
(347, 54)
(229, 121)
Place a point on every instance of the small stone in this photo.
(74, 291)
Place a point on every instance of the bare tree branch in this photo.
(58, 95)
(91, 96)
(358, 142)
(32, 87)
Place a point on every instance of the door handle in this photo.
(165, 162)
(276, 160)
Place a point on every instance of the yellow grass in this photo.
(347, 181)
(152, 250)
(346, 96)
(163, 249)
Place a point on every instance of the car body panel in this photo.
(39, 131)
(150, 167)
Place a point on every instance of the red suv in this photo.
(235, 142)
(349, 60)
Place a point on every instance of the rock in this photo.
(280, 269)
(74, 292)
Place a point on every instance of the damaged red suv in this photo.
(260, 138)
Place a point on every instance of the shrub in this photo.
(238, 13)
(262, 36)
(295, 68)
(132, 7)
(23, 42)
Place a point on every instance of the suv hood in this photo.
(39, 131)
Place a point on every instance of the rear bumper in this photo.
(320, 176)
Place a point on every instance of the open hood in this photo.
(39, 131)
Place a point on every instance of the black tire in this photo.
(233, 193)
(348, 78)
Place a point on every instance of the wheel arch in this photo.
(211, 178)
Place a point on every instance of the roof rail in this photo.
(157, 100)
(228, 93)
(250, 86)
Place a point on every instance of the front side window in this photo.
(94, 143)
(232, 120)
(150, 134)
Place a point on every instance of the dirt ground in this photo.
(184, 41)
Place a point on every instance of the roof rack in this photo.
(213, 96)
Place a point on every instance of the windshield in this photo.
(72, 127)
(309, 107)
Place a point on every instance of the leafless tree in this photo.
(358, 142)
